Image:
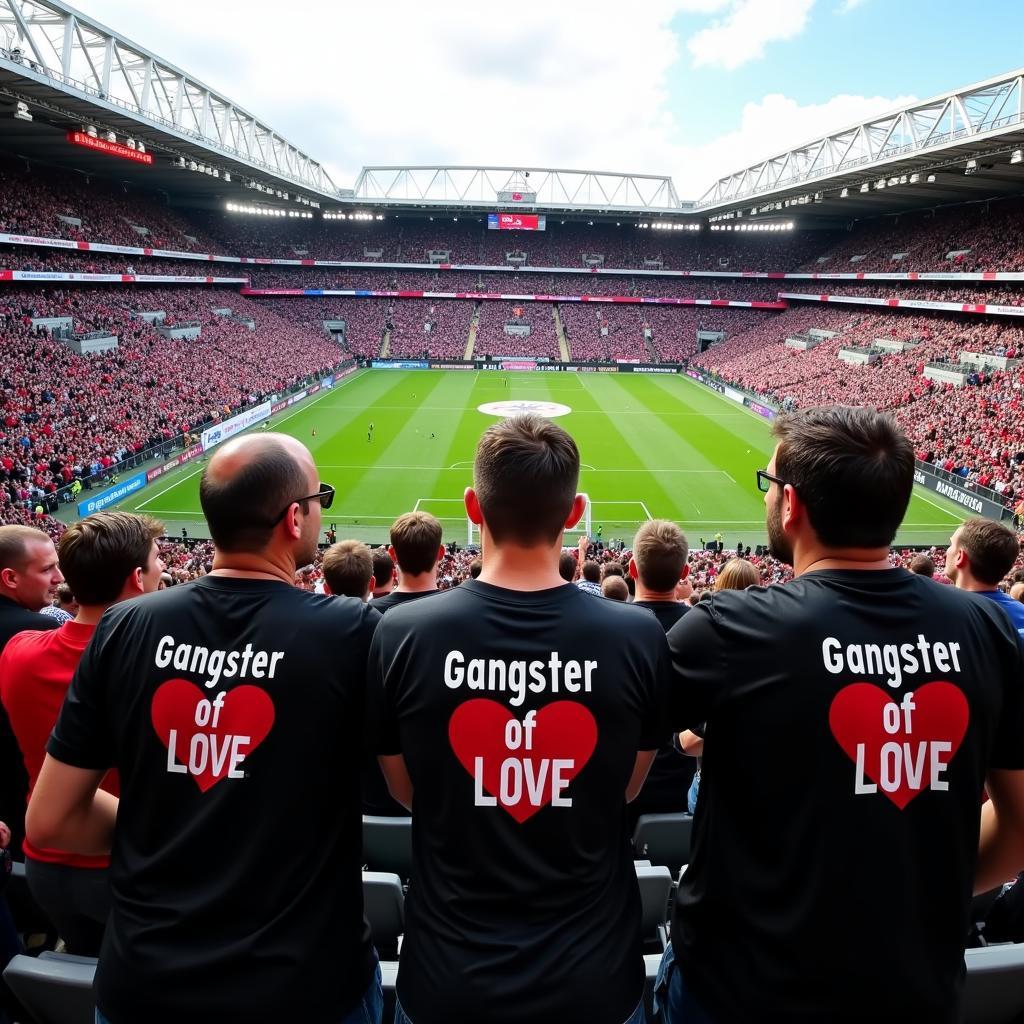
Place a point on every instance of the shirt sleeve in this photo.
(82, 736)
(382, 736)
(698, 667)
(1008, 750)
(654, 730)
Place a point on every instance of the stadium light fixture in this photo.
(930, 179)
(1017, 156)
(844, 193)
(21, 112)
(865, 187)
(880, 184)
(971, 167)
(915, 178)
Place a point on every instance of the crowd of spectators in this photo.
(493, 340)
(448, 323)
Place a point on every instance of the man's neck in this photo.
(528, 569)
(643, 594)
(13, 598)
(970, 584)
(816, 558)
(422, 583)
(250, 566)
(90, 614)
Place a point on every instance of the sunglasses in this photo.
(766, 479)
(325, 496)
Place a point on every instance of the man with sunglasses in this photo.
(854, 717)
(232, 707)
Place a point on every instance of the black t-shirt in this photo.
(670, 776)
(852, 717)
(520, 716)
(13, 778)
(397, 597)
(233, 709)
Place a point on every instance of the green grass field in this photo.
(651, 447)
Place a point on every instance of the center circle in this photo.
(549, 410)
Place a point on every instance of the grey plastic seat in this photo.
(994, 991)
(663, 839)
(384, 904)
(655, 888)
(387, 845)
(54, 988)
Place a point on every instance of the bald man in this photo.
(232, 708)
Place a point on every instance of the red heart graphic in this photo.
(563, 730)
(242, 725)
(939, 715)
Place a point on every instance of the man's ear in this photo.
(327, 588)
(633, 569)
(685, 573)
(473, 507)
(9, 578)
(579, 506)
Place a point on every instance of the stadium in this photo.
(175, 274)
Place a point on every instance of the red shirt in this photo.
(35, 672)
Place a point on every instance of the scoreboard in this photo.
(516, 222)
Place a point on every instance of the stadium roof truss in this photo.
(975, 115)
(54, 45)
(553, 189)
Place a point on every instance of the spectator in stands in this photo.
(591, 581)
(383, 573)
(348, 570)
(595, 679)
(658, 564)
(767, 670)
(108, 557)
(234, 693)
(416, 549)
(475, 568)
(29, 576)
(615, 588)
(1017, 591)
(64, 607)
(980, 553)
(922, 565)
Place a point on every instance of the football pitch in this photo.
(658, 446)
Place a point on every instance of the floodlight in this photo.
(844, 193)
(915, 178)
(1017, 156)
(930, 179)
(865, 187)
(21, 112)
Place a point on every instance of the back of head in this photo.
(591, 571)
(1017, 591)
(243, 506)
(383, 568)
(660, 551)
(615, 588)
(737, 574)
(348, 568)
(991, 547)
(567, 566)
(922, 565)
(525, 476)
(853, 470)
(612, 569)
(476, 567)
(416, 538)
(98, 554)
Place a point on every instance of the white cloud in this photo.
(850, 5)
(581, 83)
(771, 126)
(749, 26)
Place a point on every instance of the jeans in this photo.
(691, 795)
(638, 1017)
(367, 1011)
(673, 1003)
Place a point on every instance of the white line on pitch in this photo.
(170, 487)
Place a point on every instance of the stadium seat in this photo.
(655, 887)
(384, 904)
(994, 992)
(663, 839)
(387, 845)
(55, 988)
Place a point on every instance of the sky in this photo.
(694, 89)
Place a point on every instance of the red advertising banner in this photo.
(110, 148)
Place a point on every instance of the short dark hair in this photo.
(615, 588)
(567, 566)
(591, 571)
(852, 468)
(476, 567)
(660, 551)
(922, 565)
(14, 539)
(240, 509)
(416, 538)
(525, 474)
(348, 568)
(612, 569)
(97, 554)
(383, 567)
(991, 547)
